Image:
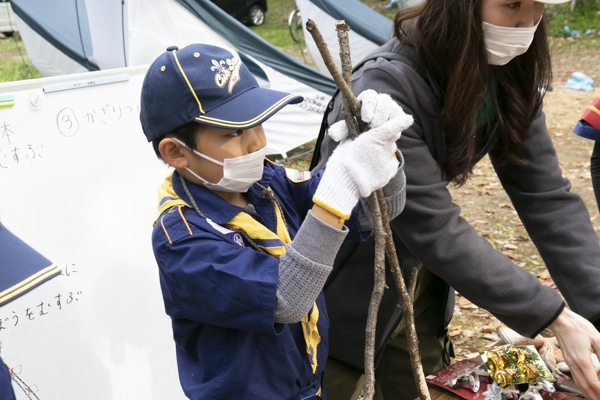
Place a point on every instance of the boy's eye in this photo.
(514, 5)
(236, 133)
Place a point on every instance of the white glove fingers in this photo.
(385, 110)
(369, 100)
(378, 108)
(361, 166)
(338, 131)
(390, 131)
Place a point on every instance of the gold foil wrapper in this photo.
(510, 365)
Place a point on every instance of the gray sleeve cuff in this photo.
(397, 183)
(318, 241)
(305, 267)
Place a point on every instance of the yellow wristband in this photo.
(343, 217)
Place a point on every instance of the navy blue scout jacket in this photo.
(6, 390)
(220, 295)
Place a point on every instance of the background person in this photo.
(589, 127)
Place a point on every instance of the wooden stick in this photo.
(383, 231)
(311, 27)
(407, 297)
(342, 29)
(376, 296)
(355, 125)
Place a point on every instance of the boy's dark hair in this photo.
(449, 40)
(185, 133)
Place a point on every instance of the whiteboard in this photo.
(79, 184)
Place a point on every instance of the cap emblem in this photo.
(227, 71)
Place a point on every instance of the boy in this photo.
(247, 311)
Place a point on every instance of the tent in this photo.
(86, 35)
(368, 28)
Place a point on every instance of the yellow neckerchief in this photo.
(273, 244)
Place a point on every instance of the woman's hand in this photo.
(578, 338)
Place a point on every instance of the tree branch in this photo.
(311, 27)
(376, 296)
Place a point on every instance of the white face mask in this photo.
(505, 43)
(239, 173)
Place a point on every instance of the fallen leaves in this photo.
(471, 329)
(464, 303)
(512, 255)
(544, 275)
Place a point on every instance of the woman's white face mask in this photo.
(239, 173)
(505, 43)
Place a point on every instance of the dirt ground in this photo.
(486, 206)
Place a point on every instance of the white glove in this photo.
(361, 166)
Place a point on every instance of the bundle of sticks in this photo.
(384, 244)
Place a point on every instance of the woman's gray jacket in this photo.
(430, 231)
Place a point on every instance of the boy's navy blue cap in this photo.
(586, 130)
(22, 268)
(208, 85)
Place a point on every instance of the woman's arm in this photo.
(557, 221)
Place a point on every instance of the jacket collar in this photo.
(213, 205)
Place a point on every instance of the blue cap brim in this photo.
(248, 109)
(586, 130)
(21, 267)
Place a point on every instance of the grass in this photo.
(14, 63)
(586, 15)
(275, 29)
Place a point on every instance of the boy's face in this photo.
(220, 144)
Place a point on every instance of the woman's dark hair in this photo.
(186, 133)
(448, 37)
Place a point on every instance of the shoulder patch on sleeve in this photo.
(297, 176)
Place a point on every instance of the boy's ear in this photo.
(172, 153)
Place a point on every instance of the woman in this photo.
(471, 77)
